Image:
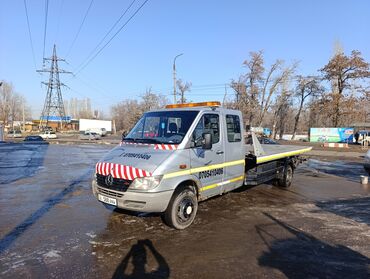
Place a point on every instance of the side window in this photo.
(233, 128)
(198, 132)
(209, 123)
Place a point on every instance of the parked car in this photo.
(262, 140)
(367, 162)
(35, 140)
(100, 131)
(89, 136)
(48, 135)
(14, 134)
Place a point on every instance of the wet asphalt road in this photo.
(52, 227)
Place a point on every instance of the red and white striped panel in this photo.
(333, 144)
(120, 171)
(166, 146)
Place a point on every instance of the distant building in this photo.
(78, 108)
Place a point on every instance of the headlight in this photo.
(146, 183)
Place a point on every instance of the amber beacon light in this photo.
(191, 105)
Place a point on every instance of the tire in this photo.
(182, 208)
(286, 180)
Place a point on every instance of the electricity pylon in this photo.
(54, 105)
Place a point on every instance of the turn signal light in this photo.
(191, 105)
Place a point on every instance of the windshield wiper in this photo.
(130, 139)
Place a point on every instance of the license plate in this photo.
(107, 200)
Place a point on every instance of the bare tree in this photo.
(183, 87)
(319, 114)
(281, 77)
(306, 86)
(253, 78)
(240, 89)
(341, 70)
(12, 105)
(280, 109)
(150, 100)
(256, 89)
(128, 112)
(6, 94)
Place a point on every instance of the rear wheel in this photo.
(182, 208)
(286, 180)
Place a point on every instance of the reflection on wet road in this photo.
(51, 224)
(20, 160)
(349, 170)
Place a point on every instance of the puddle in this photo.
(350, 170)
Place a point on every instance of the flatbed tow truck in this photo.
(186, 153)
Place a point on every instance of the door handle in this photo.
(219, 152)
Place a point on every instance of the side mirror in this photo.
(207, 141)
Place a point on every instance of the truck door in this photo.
(234, 144)
(206, 162)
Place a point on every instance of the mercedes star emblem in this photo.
(109, 180)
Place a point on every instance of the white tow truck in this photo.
(186, 153)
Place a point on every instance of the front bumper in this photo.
(136, 201)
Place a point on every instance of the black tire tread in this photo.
(167, 215)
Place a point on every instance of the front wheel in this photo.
(182, 208)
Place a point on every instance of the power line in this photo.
(29, 33)
(95, 88)
(45, 25)
(79, 29)
(59, 17)
(82, 95)
(115, 34)
(106, 35)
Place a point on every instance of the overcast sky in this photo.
(215, 37)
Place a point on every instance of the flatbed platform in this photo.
(276, 151)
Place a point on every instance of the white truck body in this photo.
(95, 125)
(187, 153)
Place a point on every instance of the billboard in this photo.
(331, 135)
(55, 118)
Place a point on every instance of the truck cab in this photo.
(174, 158)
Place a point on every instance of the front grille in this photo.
(117, 185)
(109, 193)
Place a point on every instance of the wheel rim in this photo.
(185, 210)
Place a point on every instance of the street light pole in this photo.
(174, 77)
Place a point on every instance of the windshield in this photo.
(167, 127)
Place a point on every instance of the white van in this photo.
(100, 131)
